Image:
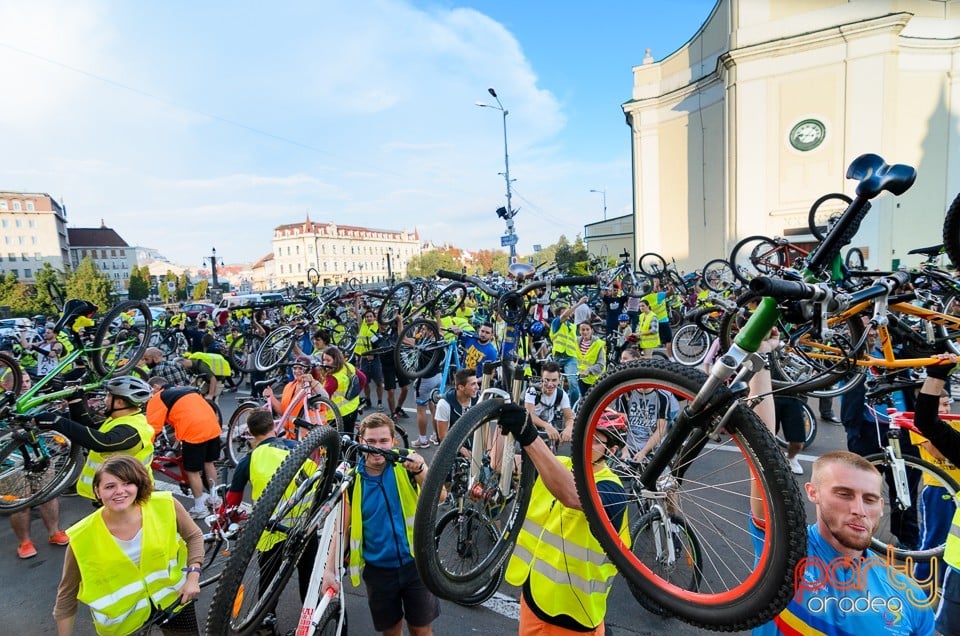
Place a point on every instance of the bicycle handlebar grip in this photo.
(899, 278)
(782, 289)
(573, 281)
(457, 276)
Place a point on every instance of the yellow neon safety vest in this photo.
(659, 307)
(408, 505)
(568, 570)
(952, 552)
(564, 339)
(339, 396)
(119, 592)
(593, 355)
(264, 461)
(143, 454)
(217, 363)
(648, 341)
(364, 336)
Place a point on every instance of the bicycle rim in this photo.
(33, 472)
(690, 345)
(709, 486)
(473, 489)
(121, 338)
(274, 348)
(239, 440)
(419, 348)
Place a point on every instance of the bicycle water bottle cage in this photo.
(875, 176)
(73, 309)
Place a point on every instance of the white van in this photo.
(229, 303)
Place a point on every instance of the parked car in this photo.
(193, 309)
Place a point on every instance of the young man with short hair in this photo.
(456, 401)
(549, 406)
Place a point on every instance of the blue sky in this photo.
(192, 125)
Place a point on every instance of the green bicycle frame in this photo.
(30, 400)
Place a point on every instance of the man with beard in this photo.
(477, 348)
(840, 588)
(172, 372)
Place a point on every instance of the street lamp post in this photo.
(509, 213)
(389, 270)
(604, 193)
(213, 270)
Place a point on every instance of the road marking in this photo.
(504, 605)
(735, 449)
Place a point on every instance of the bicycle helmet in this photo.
(130, 388)
(624, 318)
(302, 361)
(613, 424)
(536, 329)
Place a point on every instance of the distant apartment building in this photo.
(339, 253)
(32, 232)
(110, 253)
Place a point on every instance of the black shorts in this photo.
(392, 379)
(194, 455)
(397, 593)
(790, 415)
(665, 331)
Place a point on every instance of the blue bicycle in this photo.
(422, 350)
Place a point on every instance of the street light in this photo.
(389, 270)
(604, 193)
(213, 270)
(509, 213)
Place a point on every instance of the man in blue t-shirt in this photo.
(478, 348)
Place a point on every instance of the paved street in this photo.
(29, 590)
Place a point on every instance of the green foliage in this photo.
(139, 288)
(89, 283)
(164, 289)
(46, 277)
(200, 289)
(183, 282)
(429, 262)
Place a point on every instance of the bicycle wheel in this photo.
(242, 351)
(899, 530)
(718, 275)
(753, 256)
(683, 565)
(463, 539)
(239, 440)
(652, 264)
(451, 298)
(465, 465)
(419, 348)
(691, 344)
(11, 377)
(708, 483)
(809, 424)
(36, 469)
(329, 624)
(396, 303)
(854, 259)
(121, 338)
(321, 410)
(274, 348)
(289, 501)
(820, 221)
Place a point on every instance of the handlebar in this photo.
(786, 289)
(568, 281)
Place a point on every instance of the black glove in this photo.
(940, 371)
(514, 420)
(46, 421)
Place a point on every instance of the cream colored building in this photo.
(33, 231)
(339, 253)
(610, 237)
(763, 109)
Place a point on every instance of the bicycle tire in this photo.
(130, 340)
(419, 348)
(276, 503)
(753, 588)
(718, 276)
(689, 550)
(951, 338)
(464, 547)
(57, 295)
(396, 303)
(884, 540)
(274, 348)
(11, 376)
(239, 441)
(691, 344)
(324, 404)
(652, 264)
(469, 480)
(854, 259)
(451, 298)
(242, 350)
(31, 474)
(818, 224)
(951, 232)
(753, 256)
(329, 623)
(214, 560)
(809, 425)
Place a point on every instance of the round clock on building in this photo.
(807, 134)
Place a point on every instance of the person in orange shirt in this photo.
(302, 379)
(197, 426)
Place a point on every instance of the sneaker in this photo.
(421, 443)
(402, 414)
(833, 419)
(795, 466)
(26, 550)
(380, 406)
(434, 440)
(60, 538)
(199, 512)
(213, 502)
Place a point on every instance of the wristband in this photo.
(422, 466)
(193, 568)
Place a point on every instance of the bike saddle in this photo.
(883, 386)
(875, 176)
(73, 309)
(929, 252)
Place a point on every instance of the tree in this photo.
(139, 288)
(200, 289)
(491, 260)
(46, 277)
(163, 287)
(89, 283)
(429, 262)
(183, 283)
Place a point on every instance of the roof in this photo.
(94, 237)
(262, 261)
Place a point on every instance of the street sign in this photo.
(171, 286)
(536, 247)
(508, 240)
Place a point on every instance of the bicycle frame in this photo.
(30, 399)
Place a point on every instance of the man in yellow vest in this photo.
(125, 430)
(563, 335)
(210, 369)
(562, 571)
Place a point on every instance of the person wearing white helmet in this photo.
(125, 430)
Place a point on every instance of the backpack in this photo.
(556, 411)
(358, 382)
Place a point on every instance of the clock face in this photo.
(807, 135)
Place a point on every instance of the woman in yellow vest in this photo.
(648, 328)
(138, 554)
(339, 379)
(591, 357)
(562, 571)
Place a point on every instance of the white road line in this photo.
(504, 605)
